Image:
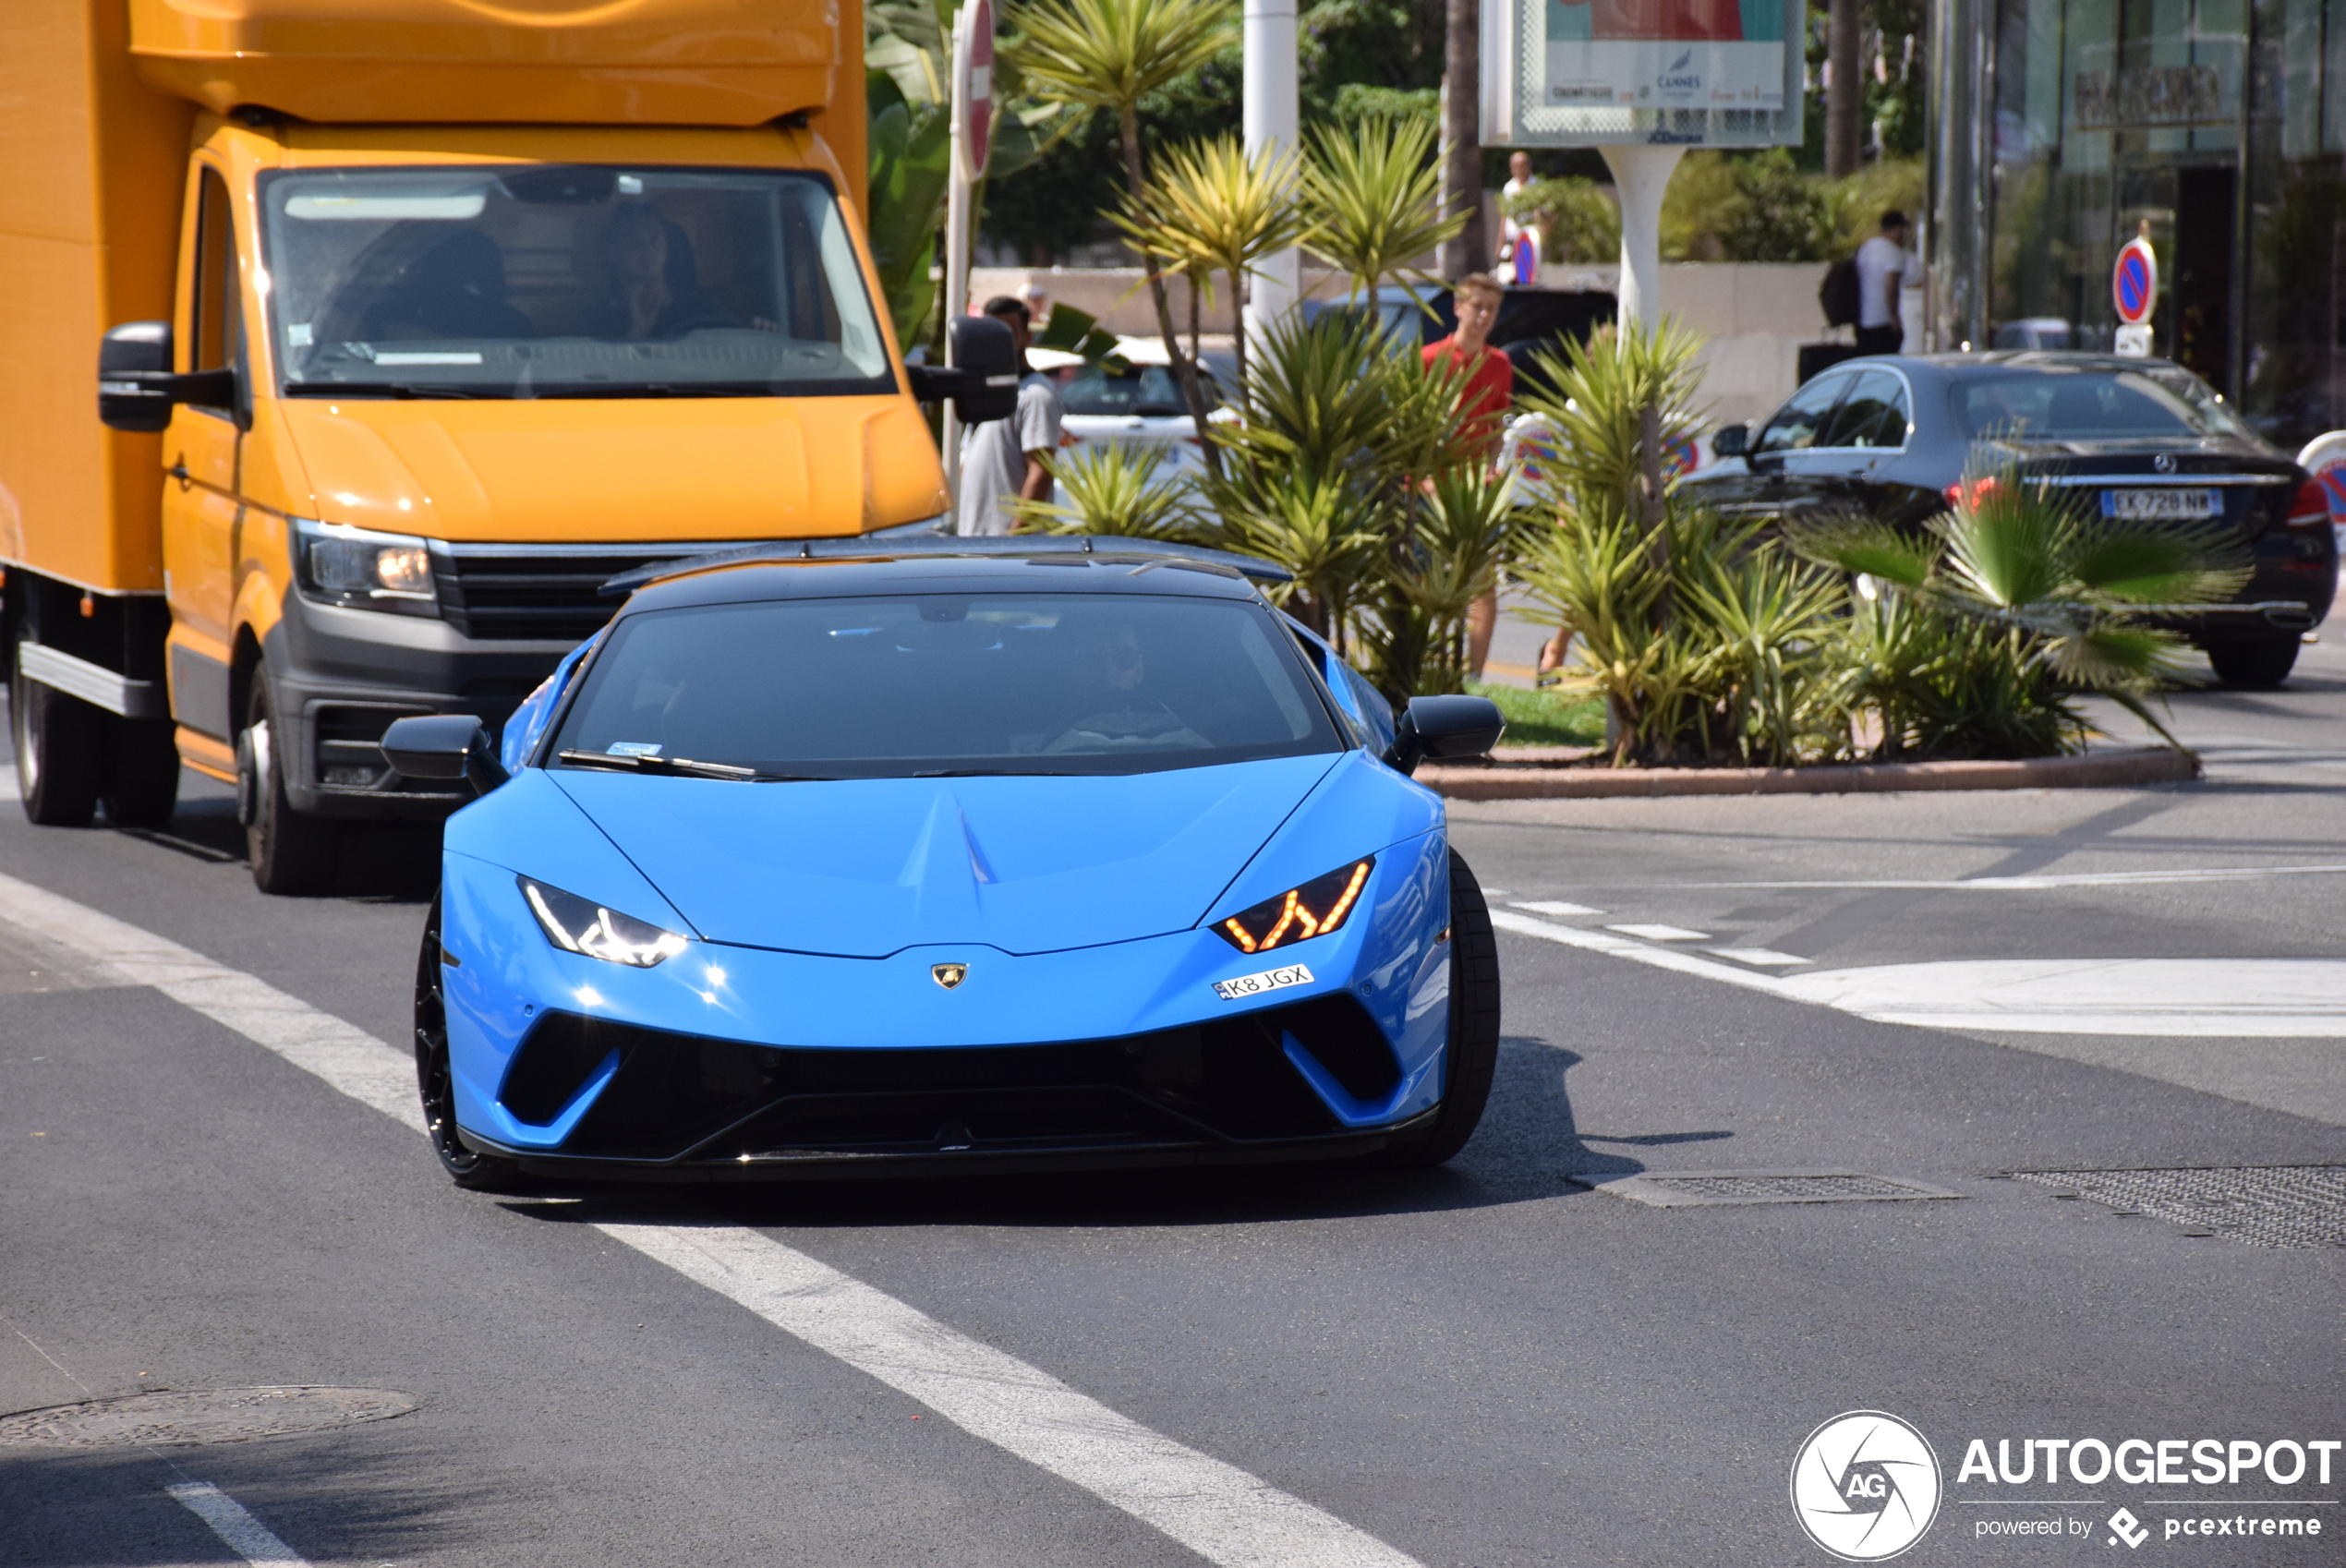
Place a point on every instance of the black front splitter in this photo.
(853, 1166)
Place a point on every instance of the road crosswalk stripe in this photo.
(1217, 1510)
(233, 1522)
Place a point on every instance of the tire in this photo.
(290, 853)
(60, 746)
(435, 1081)
(142, 772)
(1473, 1053)
(2258, 665)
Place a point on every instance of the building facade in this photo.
(2062, 128)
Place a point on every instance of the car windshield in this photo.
(565, 282)
(1149, 390)
(940, 684)
(2090, 405)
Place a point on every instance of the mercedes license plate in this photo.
(2161, 505)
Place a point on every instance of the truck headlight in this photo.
(359, 569)
(581, 925)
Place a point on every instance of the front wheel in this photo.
(2258, 665)
(60, 746)
(1473, 1053)
(290, 852)
(435, 1078)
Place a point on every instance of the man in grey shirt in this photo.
(1002, 460)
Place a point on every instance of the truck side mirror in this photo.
(1732, 440)
(445, 745)
(127, 357)
(136, 386)
(983, 379)
(1445, 727)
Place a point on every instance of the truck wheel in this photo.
(2258, 665)
(290, 853)
(142, 772)
(60, 743)
(1473, 1054)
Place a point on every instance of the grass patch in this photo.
(1544, 719)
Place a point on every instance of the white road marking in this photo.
(1662, 932)
(1215, 1509)
(2215, 998)
(1765, 957)
(2040, 883)
(246, 1535)
(2291, 998)
(1554, 907)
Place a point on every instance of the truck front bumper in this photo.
(341, 676)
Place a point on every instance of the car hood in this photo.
(864, 868)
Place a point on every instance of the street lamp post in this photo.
(1272, 115)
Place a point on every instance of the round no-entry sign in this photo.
(2133, 282)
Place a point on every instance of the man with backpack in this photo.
(1861, 291)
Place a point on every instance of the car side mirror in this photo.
(1732, 440)
(445, 745)
(983, 379)
(137, 388)
(1445, 727)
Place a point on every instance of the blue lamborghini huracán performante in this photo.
(973, 855)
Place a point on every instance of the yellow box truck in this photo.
(414, 321)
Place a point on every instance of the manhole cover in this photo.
(1677, 1190)
(2262, 1205)
(198, 1415)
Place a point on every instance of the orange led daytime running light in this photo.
(1292, 920)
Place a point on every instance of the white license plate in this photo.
(1255, 985)
(2161, 505)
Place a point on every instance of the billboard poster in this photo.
(1723, 72)
(1666, 53)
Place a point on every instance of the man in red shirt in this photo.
(1483, 399)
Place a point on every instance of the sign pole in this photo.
(973, 116)
(1641, 174)
(1272, 115)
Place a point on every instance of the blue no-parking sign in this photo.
(2133, 282)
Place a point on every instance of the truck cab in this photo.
(421, 376)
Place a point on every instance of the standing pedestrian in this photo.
(1485, 392)
(1002, 459)
(1518, 176)
(1881, 267)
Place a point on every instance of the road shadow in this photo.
(342, 1497)
(1527, 1149)
(394, 863)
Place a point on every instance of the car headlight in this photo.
(359, 569)
(1313, 909)
(581, 925)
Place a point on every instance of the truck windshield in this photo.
(565, 282)
(943, 684)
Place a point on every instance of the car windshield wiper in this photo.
(991, 773)
(685, 768)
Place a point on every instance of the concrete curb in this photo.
(2098, 770)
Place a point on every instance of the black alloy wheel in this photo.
(60, 747)
(141, 784)
(435, 1079)
(1473, 1054)
(2258, 666)
(290, 853)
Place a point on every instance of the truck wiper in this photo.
(685, 768)
(392, 389)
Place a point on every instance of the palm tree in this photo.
(1108, 55)
(1214, 208)
(1371, 199)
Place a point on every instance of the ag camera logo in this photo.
(1864, 1486)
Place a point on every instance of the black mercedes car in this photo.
(1891, 436)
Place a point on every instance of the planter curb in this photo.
(2098, 770)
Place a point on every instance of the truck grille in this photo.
(541, 593)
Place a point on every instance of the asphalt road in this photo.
(1492, 1364)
